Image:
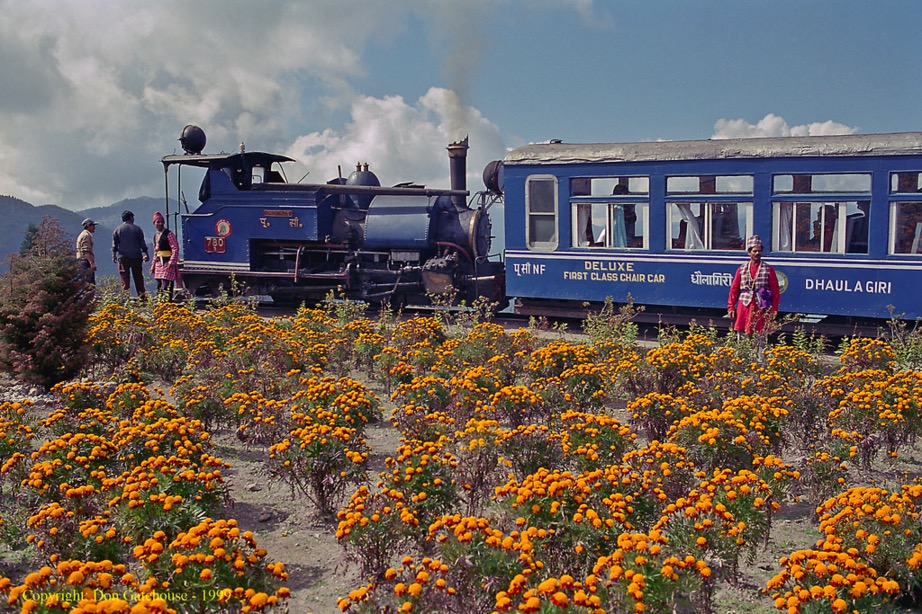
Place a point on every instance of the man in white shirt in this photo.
(85, 254)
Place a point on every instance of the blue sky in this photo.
(92, 94)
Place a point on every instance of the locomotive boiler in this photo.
(298, 242)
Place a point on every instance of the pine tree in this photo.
(26, 245)
(45, 304)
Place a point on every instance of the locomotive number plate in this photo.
(215, 245)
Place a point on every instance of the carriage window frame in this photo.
(848, 194)
(906, 182)
(724, 185)
(705, 236)
(606, 212)
(636, 186)
(535, 216)
(785, 184)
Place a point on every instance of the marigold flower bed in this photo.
(537, 472)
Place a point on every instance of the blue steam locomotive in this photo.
(298, 242)
(663, 224)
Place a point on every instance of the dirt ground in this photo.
(288, 526)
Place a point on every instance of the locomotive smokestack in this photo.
(457, 164)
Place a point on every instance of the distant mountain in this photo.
(16, 215)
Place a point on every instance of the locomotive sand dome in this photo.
(297, 242)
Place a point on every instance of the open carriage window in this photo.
(906, 228)
(610, 212)
(823, 224)
(709, 226)
(705, 212)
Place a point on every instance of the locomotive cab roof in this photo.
(252, 158)
(240, 165)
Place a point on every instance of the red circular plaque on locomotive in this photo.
(222, 228)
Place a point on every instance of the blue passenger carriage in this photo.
(665, 223)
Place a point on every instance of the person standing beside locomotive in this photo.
(165, 266)
(754, 293)
(128, 250)
(85, 256)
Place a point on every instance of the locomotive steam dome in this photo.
(192, 140)
(361, 176)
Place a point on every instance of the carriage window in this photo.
(905, 183)
(906, 225)
(605, 186)
(541, 212)
(832, 228)
(715, 226)
(829, 182)
(710, 184)
(606, 211)
(617, 225)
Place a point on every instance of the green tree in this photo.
(31, 233)
(45, 304)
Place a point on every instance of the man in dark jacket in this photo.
(128, 249)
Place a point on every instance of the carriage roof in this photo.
(905, 143)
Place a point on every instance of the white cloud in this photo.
(101, 83)
(393, 135)
(773, 125)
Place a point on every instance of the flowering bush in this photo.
(824, 581)
(320, 461)
(881, 414)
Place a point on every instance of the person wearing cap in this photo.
(128, 250)
(165, 266)
(754, 291)
(85, 255)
